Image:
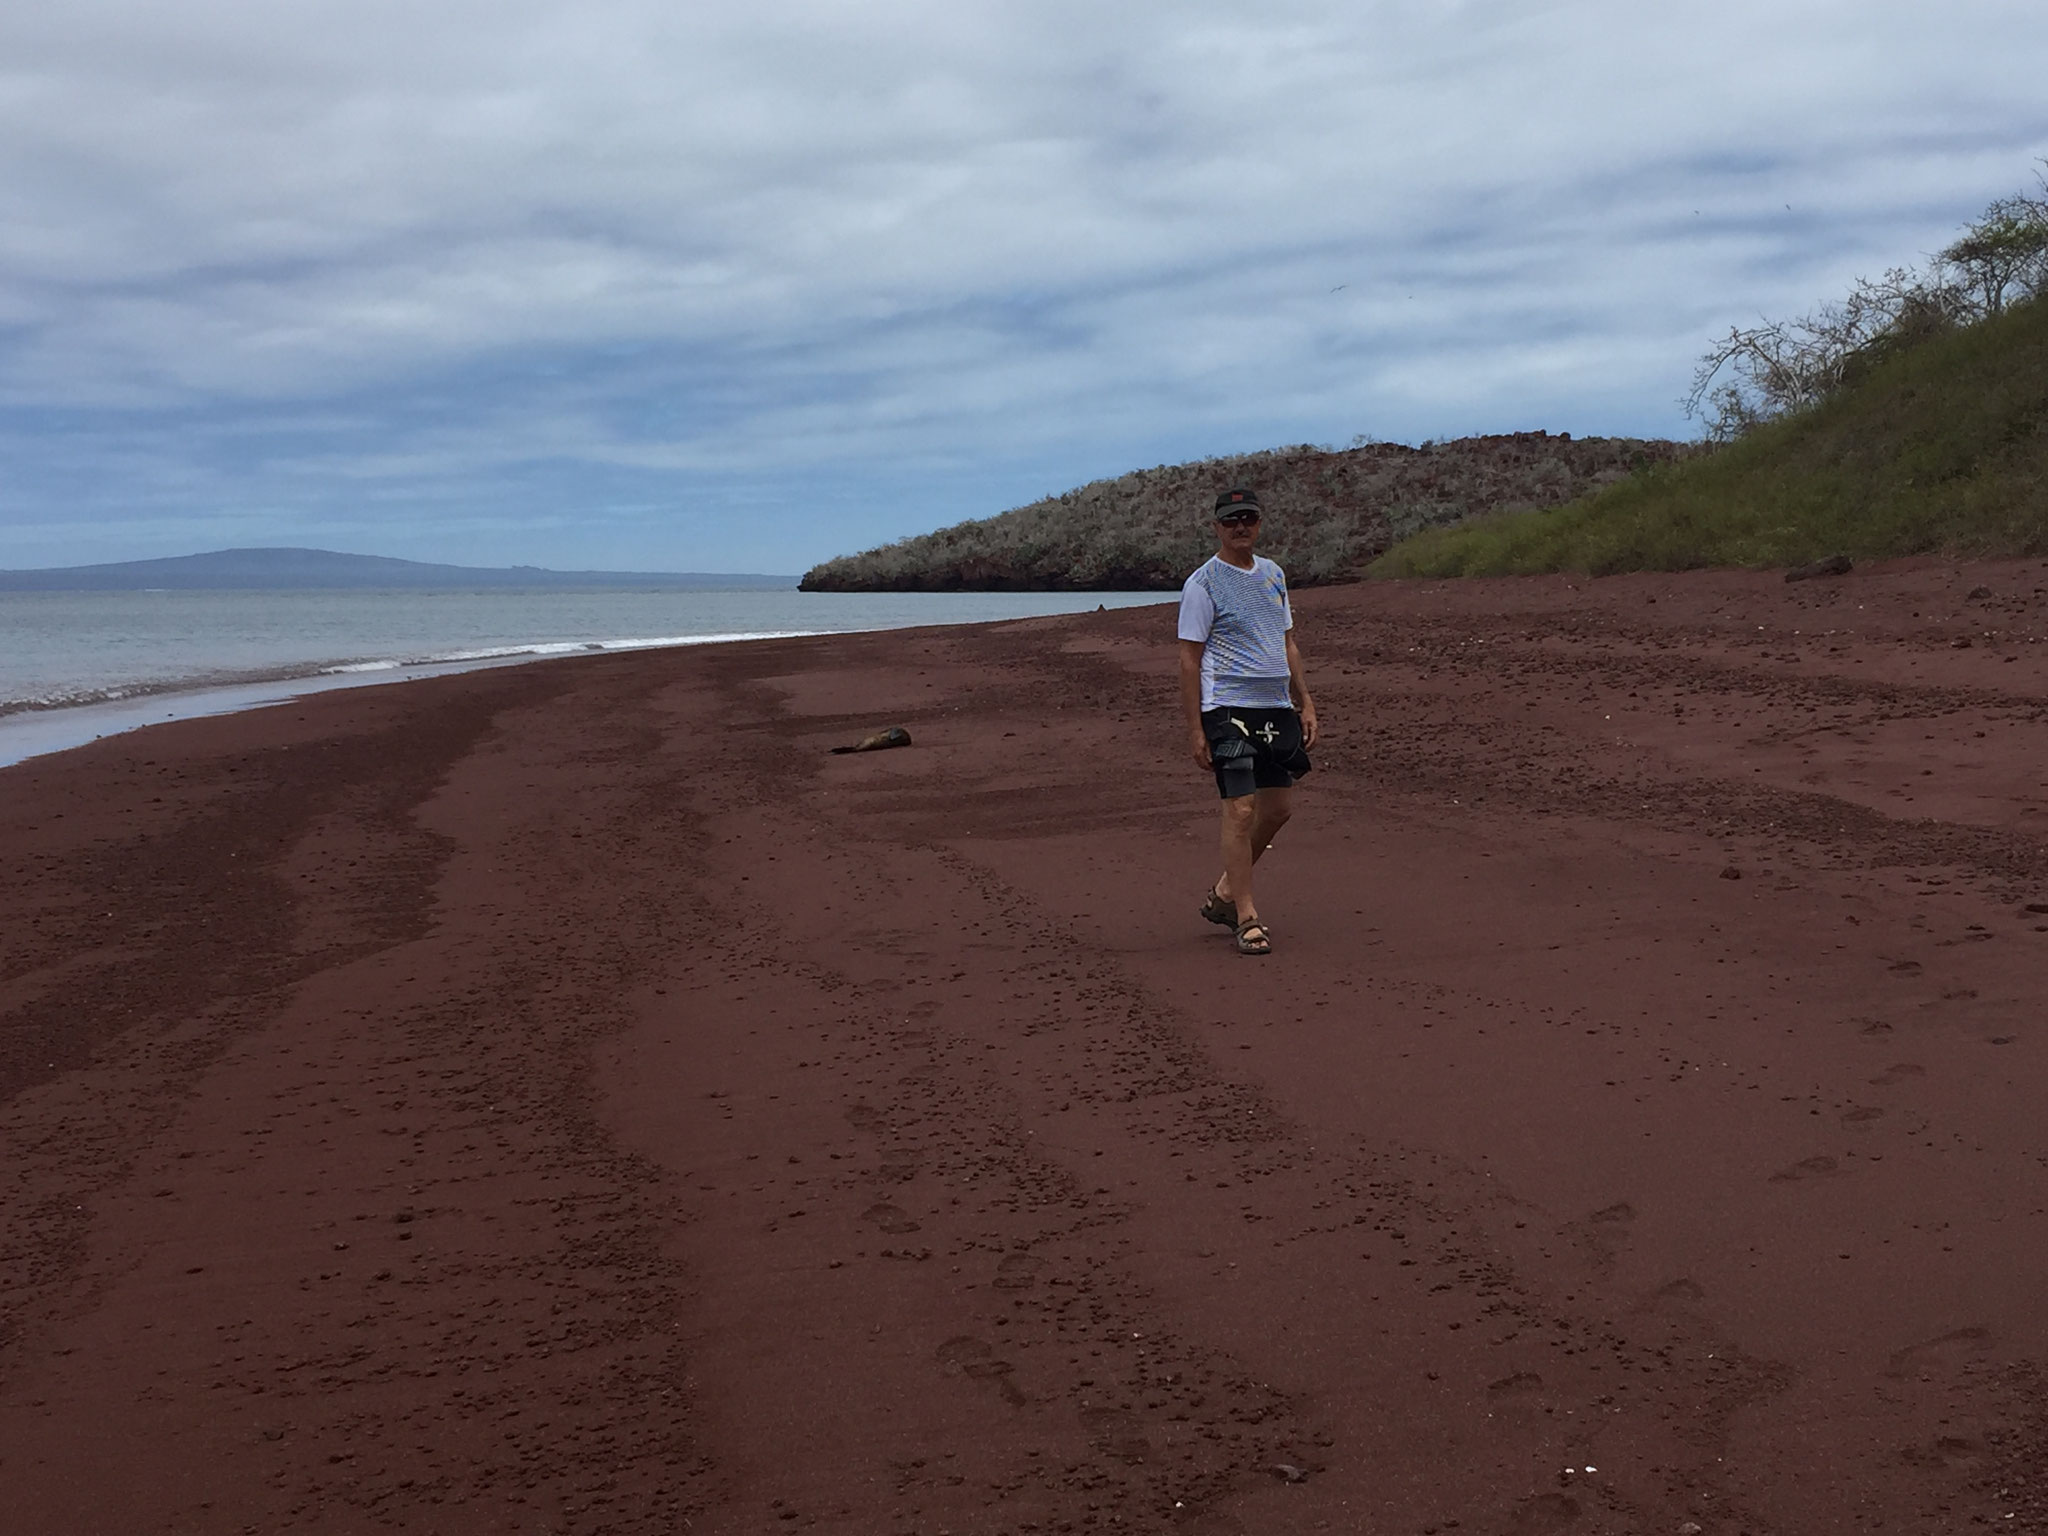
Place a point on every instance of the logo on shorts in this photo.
(1268, 732)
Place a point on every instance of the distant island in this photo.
(1330, 512)
(324, 570)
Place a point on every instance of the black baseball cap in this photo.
(1237, 500)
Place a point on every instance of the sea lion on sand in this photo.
(894, 736)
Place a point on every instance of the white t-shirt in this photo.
(1241, 618)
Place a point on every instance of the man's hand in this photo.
(1191, 699)
(1297, 690)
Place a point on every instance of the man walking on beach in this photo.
(1249, 715)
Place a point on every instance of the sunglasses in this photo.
(1230, 518)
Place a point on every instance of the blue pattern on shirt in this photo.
(1241, 618)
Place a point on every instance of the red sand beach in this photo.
(567, 1099)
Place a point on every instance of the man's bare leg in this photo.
(1250, 823)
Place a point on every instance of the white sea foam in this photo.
(584, 647)
(542, 649)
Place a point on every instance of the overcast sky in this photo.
(673, 285)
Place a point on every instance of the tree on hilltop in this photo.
(1761, 372)
(2003, 252)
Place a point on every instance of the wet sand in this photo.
(474, 1106)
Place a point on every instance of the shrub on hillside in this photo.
(1760, 373)
(1329, 514)
(1937, 448)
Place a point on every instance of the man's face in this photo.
(1236, 532)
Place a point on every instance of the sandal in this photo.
(1218, 910)
(1252, 938)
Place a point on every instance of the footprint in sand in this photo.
(1898, 1072)
(1682, 1292)
(1543, 1513)
(963, 1350)
(1521, 1381)
(1954, 1452)
(1948, 1349)
(965, 1355)
(1862, 1114)
(1116, 1432)
(1806, 1168)
(864, 1117)
(1603, 1234)
(899, 1167)
(1018, 1271)
(890, 1218)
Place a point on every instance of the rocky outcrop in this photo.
(1329, 513)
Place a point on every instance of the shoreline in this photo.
(313, 671)
(570, 1098)
(28, 731)
(30, 728)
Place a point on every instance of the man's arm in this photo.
(1297, 686)
(1191, 700)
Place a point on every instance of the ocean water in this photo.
(78, 665)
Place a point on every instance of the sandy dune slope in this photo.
(568, 1099)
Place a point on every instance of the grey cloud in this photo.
(753, 246)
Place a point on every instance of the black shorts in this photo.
(1253, 749)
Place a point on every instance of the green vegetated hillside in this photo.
(1937, 448)
(1329, 514)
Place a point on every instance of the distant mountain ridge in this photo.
(316, 570)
